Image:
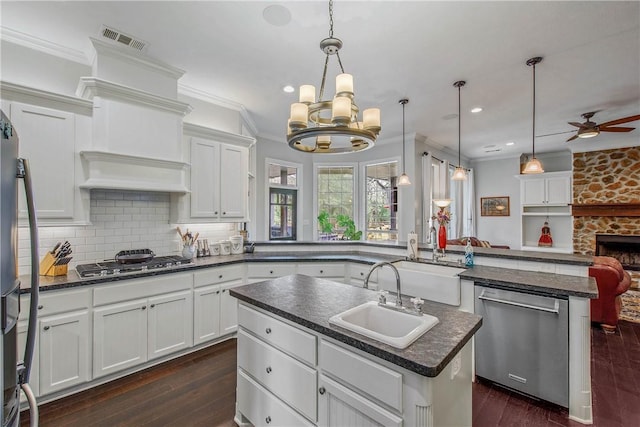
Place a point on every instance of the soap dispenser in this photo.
(468, 254)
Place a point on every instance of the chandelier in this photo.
(331, 126)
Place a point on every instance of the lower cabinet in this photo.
(64, 351)
(206, 314)
(340, 406)
(127, 334)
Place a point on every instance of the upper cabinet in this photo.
(50, 131)
(219, 178)
(553, 188)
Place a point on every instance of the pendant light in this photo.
(533, 166)
(403, 179)
(460, 174)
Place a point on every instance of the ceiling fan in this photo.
(589, 129)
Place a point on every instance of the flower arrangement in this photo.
(443, 217)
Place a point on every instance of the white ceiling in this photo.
(394, 49)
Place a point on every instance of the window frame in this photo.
(299, 195)
(363, 199)
(355, 187)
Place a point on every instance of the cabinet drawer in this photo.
(270, 270)
(262, 408)
(217, 275)
(54, 302)
(284, 376)
(279, 334)
(322, 270)
(359, 271)
(141, 288)
(369, 377)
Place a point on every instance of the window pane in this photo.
(381, 201)
(335, 197)
(283, 175)
(282, 214)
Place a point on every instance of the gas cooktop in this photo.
(111, 268)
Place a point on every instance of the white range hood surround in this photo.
(137, 122)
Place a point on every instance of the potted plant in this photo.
(326, 228)
(350, 232)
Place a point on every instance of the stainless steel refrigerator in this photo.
(15, 372)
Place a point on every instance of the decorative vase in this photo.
(442, 237)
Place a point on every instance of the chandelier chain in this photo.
(330, 18)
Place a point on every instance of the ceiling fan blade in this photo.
(620, 121)
(572, 138)
(576, 124)
(556, 133)
(623, 129)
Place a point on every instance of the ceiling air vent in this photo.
(120, 37)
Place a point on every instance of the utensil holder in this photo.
(48, 267)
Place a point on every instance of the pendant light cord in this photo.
(459, 121)
(404, 102)
(533, 130)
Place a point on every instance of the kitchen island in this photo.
(294, 366)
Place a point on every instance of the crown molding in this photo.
(42, 45)
(190, 129)
(90, 87)
(17, 92)
(221, 102)
(134, 57)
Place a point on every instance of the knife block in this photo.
(47, 267)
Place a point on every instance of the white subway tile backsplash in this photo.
(120, 220)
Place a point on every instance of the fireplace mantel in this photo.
(606, 209)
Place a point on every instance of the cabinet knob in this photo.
(321, 271)
(144, 307)
(224, 213)
(215, 213)
(217, 292)
(40, 307)
(268, 330)
(268, 369)
(224, 290)
(220, 276)
(46, 328)
(153, 305)
(362, 273)
(270, 271)
(267, 420)
(321, 390)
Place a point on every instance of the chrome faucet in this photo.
(395, 270)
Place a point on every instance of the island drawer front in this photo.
(217, 275)
(57, 302)
(314, 269)
(262, 408)
(269, 269)
(290, 380)
(359, 271)
(369, 377)
(279, 334)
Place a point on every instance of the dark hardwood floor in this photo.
(199, 390)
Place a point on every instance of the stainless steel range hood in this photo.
(136, 125)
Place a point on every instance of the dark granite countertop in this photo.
(72, 279)
(541, 255)
(310, 302)
(533, 281)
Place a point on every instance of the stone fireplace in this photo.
(624, 248)
(606, 201)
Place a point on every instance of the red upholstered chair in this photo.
(612, 282)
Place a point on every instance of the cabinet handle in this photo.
(268, 330)
(46, 328)
(267, 420)
(40, 307)
(268, 369)
(321, 390)
(144, 307)
(153, 305)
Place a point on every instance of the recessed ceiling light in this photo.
(476, 109)
(289, 89)
(510, 143)
(276, 15)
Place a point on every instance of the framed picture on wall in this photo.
(494, 206)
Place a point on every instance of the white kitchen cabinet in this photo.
(333, 271)
(358, 272)
(259, 271)
(340, 406)
(546, 197)
(170, 323)
(228, 312)
(119, 337)
(47, 140)
(206, 314)
(219, 179)
(64, 351)
(553, 188)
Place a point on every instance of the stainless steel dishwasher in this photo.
(524, 342)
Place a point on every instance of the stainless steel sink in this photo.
(391, 327)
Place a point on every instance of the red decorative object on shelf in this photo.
(442, 237)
